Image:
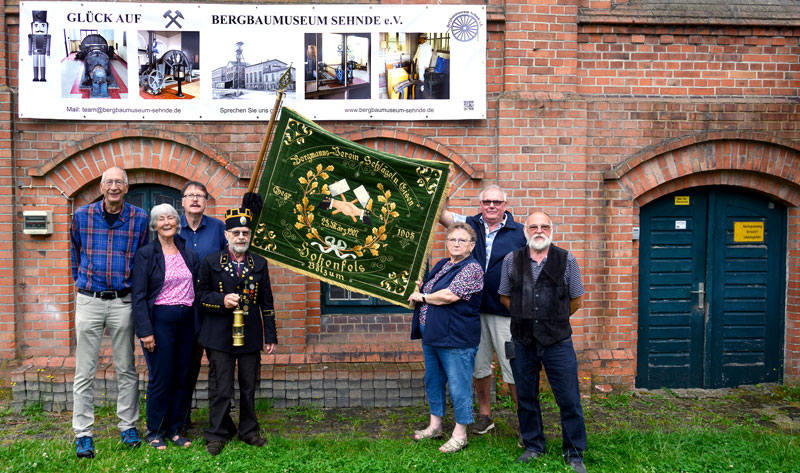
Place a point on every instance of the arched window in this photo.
(148, 196)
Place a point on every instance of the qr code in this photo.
(469, 105)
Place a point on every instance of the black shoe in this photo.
(214, 447)
(482, 424)
(254, 440)
(577, 465)
(528, 456)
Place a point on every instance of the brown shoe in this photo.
(255, 440)
(482, 424)
(214, 447)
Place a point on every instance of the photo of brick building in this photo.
(662, 137)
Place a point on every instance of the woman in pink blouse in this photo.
(163, 293)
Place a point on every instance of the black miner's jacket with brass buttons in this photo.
(218, 276)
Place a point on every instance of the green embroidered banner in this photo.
(347, 214)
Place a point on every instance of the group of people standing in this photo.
(505, 289)
(176, 293)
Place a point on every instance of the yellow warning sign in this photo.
(748, 232)
(681, 200)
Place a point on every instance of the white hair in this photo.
(164, 209)
(492, 187)
(124, 174)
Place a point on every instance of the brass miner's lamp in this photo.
(238, 328)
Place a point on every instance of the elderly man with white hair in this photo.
(541, 286)
(235, 279)
(105, 236)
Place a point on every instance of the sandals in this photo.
(157, 443)
(427, 433)
(453, 445)
(180, 441)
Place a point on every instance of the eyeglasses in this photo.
(236, 233)
(195, 196)
(536, 228)
(113, 182)
(460, 241)
(496, 203)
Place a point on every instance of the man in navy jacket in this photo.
(498, 234)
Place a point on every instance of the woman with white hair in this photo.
(163, 293)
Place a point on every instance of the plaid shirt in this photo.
(102, 256)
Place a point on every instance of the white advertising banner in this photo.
(183, 61)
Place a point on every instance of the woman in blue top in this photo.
(447, 319)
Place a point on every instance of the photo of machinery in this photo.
(169, 63)
(96, 65)
(417, 66)
(337, 65)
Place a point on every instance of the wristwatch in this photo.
(423, 299)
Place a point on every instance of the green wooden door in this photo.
(711, 289)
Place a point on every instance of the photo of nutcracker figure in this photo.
(39, 44)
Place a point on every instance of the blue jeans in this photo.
(561, 367)
(453, 366)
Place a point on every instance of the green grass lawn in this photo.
(748, 430)
(739, 449)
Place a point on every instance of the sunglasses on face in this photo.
(536, 228)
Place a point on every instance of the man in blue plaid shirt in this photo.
(105, 236)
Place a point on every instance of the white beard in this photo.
(240, 248)
(539, 245)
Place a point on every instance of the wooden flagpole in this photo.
(283, 82)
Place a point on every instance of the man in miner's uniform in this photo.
(235, 279)
(39, 43)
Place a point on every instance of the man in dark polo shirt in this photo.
(205, 235)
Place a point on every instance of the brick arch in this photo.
(767, 167)
(746, 160)
(147, 156)
(418, 147)
(787, 193)
(649, 153)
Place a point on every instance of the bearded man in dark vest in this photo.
(541, 286)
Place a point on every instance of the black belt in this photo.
(105, 295)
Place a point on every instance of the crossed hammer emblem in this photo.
(173, 18)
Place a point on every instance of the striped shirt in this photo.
(102, 255)
(572, 275)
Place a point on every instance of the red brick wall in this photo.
(587, 120)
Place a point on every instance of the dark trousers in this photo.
(561, 367)
(221, 366)
(191, 381)
(173, 328)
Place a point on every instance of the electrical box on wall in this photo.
(37, 222)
